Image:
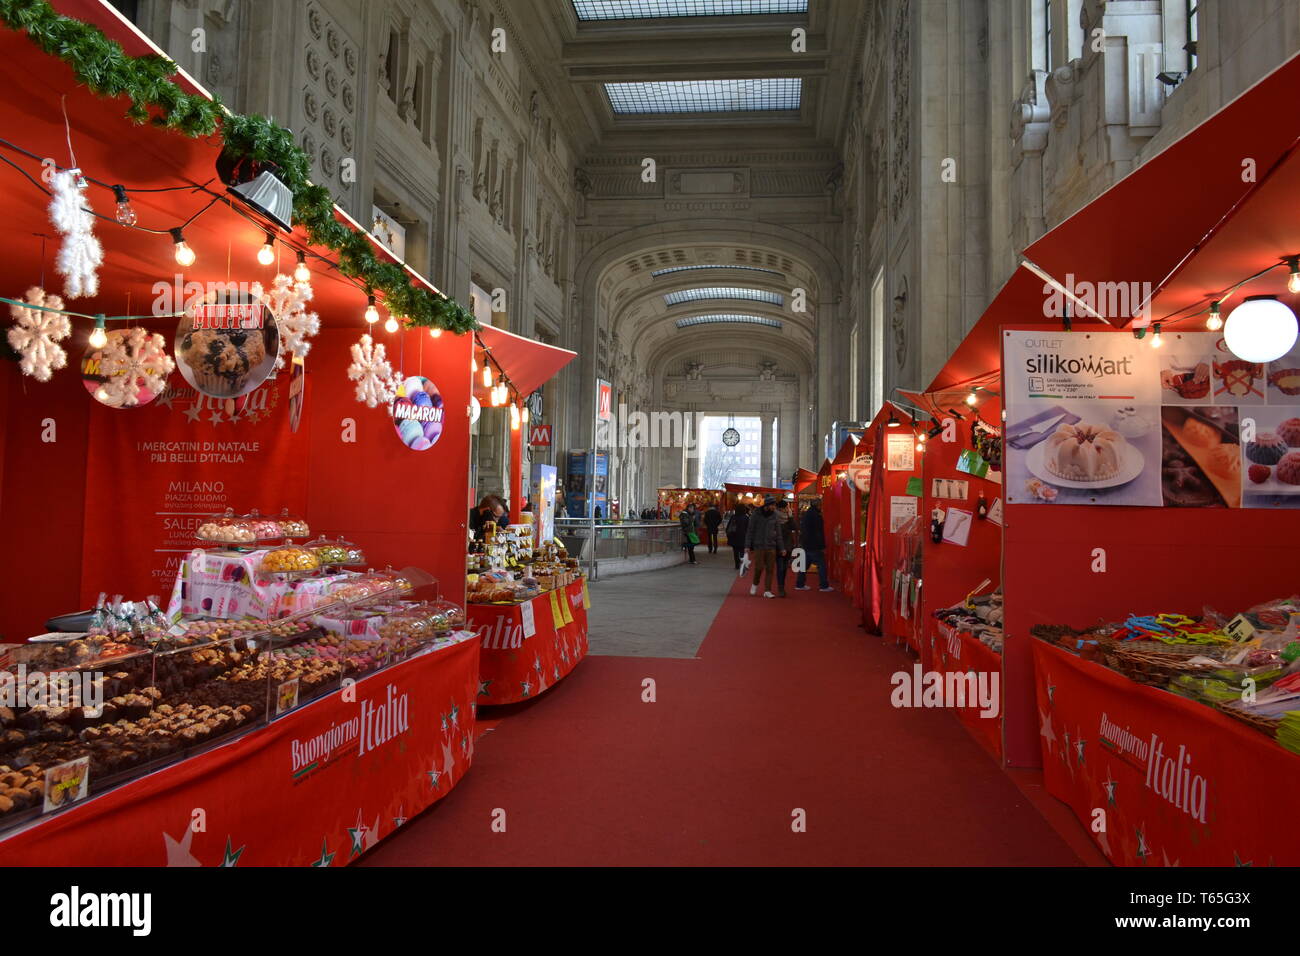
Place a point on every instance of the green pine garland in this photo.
(102, 65)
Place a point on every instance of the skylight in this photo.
(722, 292)
(728, 317)
(663, 272)
(646, 9)
(705, 96)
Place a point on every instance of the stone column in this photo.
(765, 466)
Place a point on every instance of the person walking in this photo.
(785, 524)
(762, 542)
(737, 525)
(689, 519)
(812, 536)
(712, 520)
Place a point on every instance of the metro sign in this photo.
(604, 400)
(539, 436)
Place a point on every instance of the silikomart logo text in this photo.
(78, 909)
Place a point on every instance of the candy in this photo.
(422, 399)
(409, 430)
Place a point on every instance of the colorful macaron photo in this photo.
(418, 413)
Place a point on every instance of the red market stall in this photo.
(674, 500)
(842, 498)
(890, 568)
(528, 648)
(111, 479)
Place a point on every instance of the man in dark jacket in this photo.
(763, 540)
(812, 535)
(737, 525)
(712, 519)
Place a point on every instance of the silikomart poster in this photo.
(1105, 418)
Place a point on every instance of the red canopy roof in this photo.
(846, 453)
(803, 478)
(112, 149)
(527, 363)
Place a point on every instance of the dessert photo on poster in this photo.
(1271, 459)
(1084, 453)
(1201, 457)
(226, 347)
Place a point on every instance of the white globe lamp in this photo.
(1261, 329)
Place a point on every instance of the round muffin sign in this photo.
(417, 413)
(226, 346)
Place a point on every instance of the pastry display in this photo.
(227, 528)
(292, 526)
(1288, 469)
(1129, 422)
(1266, 449)
(1201, 434)
(221, 362)
(1286, 381)
(1225, 461)
(290, 558)
(265, 529)
(1085, 452)
(1289, 432)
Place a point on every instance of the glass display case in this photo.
(109, 710)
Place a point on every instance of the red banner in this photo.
(528, 648)
(154, 473)
(317, 787)
(1158, 780)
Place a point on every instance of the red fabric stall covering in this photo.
(959, 653)
(952, 571)
(1179, 783)
(884, 547)
(317, 787)
(529, 648)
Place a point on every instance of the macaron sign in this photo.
(417, 413)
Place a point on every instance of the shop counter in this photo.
(528, 648)
(953, 651)
(317, 786)
(1179, 783)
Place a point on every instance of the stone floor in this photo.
(663, 613)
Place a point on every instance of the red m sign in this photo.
(539, 436)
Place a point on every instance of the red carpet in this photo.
(786, 708)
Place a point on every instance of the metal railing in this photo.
(619, 539)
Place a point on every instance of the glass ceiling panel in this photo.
(705, 96)
(728, 317)
(664, 272)
(721, 292)
(644, 9)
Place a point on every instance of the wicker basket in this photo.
(1265, 725)
(1154, 662)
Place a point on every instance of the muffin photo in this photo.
(226, 345)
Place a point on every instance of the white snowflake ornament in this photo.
(287, 301)
(376, 381)
(81, 254)
(36, 335)
(133, 361)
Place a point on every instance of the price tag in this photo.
(1239, 629)
(66, 783)
(286, 696)
(530, 622)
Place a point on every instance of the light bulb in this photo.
(473, 364)
(487, 376)
(1261, 329)
(98, 338)
(972, 398)
(125, 212)
(391, 325)
(266, 255)
(1293, 283)
(372, 314)
(435, 332)
(1156, 341)
(300, 272)
(184, 254)
(525, 414)
(1215, 321)
(514, 418)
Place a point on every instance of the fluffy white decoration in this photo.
(131, 361)
(36, 334)
(81, 254)
(376, 381)
(288, 302)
